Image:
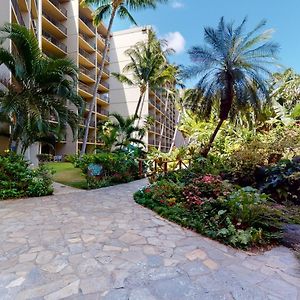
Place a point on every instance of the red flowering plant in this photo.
(205, 188)
(163, 191)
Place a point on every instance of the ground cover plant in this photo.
(18, 179)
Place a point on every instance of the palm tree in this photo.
(180, 101)
(111, 9)
(173, 79)
(148, 67)
(233, 70)
(120, 132)
(38, 90)
(128, 132)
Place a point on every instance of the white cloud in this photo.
(177, 4)
(175, 41)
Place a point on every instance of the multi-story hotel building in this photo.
(64, 29)
(124, 98)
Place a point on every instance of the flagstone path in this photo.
(102, 245)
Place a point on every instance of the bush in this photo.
(241, 217)
(18, 180)
(117, 167)
(44, 157)
(282, 181)
(204, 188)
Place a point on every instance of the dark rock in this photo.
(291, 236)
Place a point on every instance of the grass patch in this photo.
(65, 173)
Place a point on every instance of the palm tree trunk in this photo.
(175, 131)
(138, 105)
(163, 125)
(212, 138)
(92, 105)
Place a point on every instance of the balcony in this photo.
(58, 5)
(88, 23)
(52, 45)
(89, 73)
(102, 111)
(88, 90)
(89, 41)
(18, 12)
(58, 24)
(88, 56)
(105, 84)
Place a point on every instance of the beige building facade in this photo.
(64, 29)
(124, 98)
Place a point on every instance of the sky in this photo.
(181, 22)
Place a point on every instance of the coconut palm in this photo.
(34, 100)
(110, 9)
(148, 67)
(233, 68)
(173, 80)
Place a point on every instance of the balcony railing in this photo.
(104, 97)
(55, 41)
(57, 4)
(56, 23)
(90, 57)
(85, 87)
(104, 83)
(102, 111)
(90, 73)
(87, 22)
(18, 12)
(88, 40)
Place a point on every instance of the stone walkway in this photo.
(102, 245)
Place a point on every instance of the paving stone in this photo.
(196, 254)
(101, 245)
(44, 257)
(95, 285)
(178, 288)
(141, 294)
(69, 290)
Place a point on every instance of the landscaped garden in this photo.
(236, 179)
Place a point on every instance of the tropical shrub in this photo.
(282, 181)
(44, 157)
(116, 167)
(204, 188)
(17, 179)
(241, 217)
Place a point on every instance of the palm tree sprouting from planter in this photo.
(111, 9)
(148, 67)
(38, 90)
(233, 70)
(120, 132)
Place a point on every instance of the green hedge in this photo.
(17, 179)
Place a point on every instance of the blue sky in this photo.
(182, 21)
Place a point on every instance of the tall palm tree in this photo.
(173, 80)
(38, 90)
(148, 67)
(233, 70)
(180, 101)
(111, 9)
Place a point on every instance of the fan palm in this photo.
(233, 70)
(148, 67)
(111, 9)
(38, 91)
